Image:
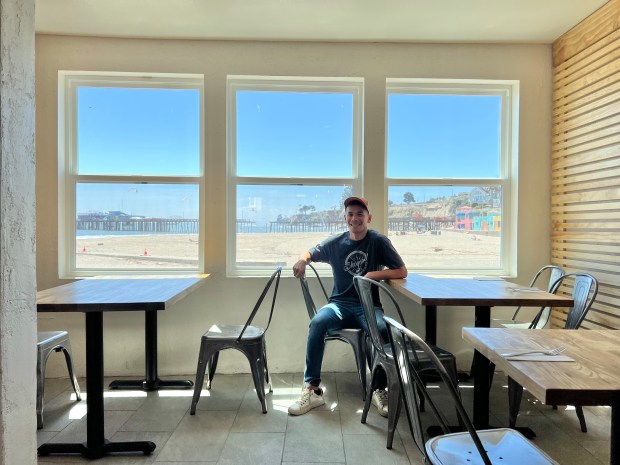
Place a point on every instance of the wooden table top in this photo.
(117, 294)
(427, 290)
(592, 379)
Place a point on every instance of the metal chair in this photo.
(248, 339)
(48, 342)
(470, 447)
(585, 289)
(355, 337)
(542, 317)
(382, 357)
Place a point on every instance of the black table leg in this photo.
(96, 444)
(483, 317)
(481, 371)
(482, 320)
(481, 391)
(430, 336)
(151, 381)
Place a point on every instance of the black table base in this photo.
(151, 382)
(96, 444)
(147, 385)
(146, 447)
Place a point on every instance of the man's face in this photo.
(357, 218)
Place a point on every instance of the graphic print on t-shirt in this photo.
(356, 262)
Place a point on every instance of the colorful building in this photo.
(474, 219)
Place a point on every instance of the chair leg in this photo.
(257, 366)
(76, 387)
(267, 378)
(421, 398)
(453, 372)
(360, 360)
(212, 365)
(369, 389)
(200, 376)
(582, 418)
(491, 373)
(394, 404)
(40, 388)
(515, 393)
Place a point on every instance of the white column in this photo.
(17, 234)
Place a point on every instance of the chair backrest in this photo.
(274, 277)
(585, 288)
(305, 290)
(364, 288)
(411, 384)
(542, 317)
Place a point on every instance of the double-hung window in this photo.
(451, 160)
(294, 153)
(131, 173)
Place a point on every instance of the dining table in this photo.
(94, 297)
(480, 293)
(591, 376)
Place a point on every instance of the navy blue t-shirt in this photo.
(349, 258)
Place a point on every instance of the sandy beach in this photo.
(472, 250)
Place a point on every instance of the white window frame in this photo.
(352, 85)
(508, 90)
(68, 176)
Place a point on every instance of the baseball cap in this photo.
(361, 201)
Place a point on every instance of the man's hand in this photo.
(299, 268)
(387, 274)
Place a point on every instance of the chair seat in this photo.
(47, 339)
(233, 331)
(420, 354)
(503, 445)
(343, 330)
(517, 325)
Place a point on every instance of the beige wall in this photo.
(229, 300)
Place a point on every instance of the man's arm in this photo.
(299, 268)
(383, 275)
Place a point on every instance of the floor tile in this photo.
(199, 437)
(230, 428)
(252, 449)
(314, 437)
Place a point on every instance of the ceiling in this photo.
(496, 21)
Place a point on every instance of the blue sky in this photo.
(156, 132)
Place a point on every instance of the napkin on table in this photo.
(539, 358)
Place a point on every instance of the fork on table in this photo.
(556, 351)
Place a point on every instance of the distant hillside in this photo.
(444, 207)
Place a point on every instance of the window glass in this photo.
(444, 227)
(449, 136)
(449, 174)
(130, 192)
(294, 134)
(125, 226)
(294, 155)
(138, 131)
(276, 223)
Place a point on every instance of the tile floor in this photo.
(230, 429)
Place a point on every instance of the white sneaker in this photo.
(380, 400)
(309, 399)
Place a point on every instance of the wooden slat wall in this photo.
(585, 164)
